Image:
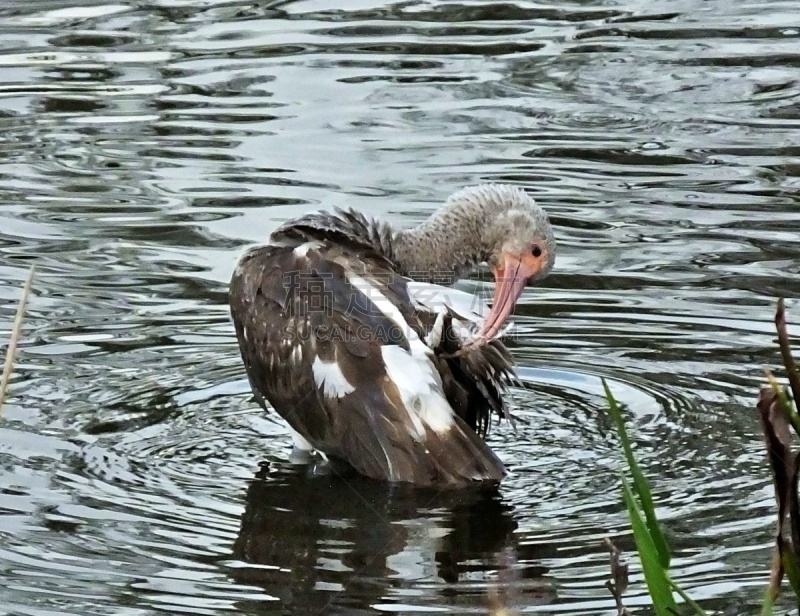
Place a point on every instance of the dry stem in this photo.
(786, 353)
(619, 577)
(15, 331)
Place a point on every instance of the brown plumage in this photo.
(332, 338)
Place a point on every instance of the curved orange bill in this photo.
(510, 280)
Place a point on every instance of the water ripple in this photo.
(144, 146)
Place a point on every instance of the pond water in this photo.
(145, 144)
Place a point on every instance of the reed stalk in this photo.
(11, 351)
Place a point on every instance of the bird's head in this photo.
(519, 243)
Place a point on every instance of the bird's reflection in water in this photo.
(334, 543)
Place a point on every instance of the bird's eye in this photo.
(536, 251)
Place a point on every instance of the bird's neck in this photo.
(443, 248)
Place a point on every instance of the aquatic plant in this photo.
(778, 417)
(11, 351)
(647, 534)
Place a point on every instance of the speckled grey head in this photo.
(510, 224)
(514, 236)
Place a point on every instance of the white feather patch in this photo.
(434, 336)
(389, 310)
(300, 442)
(437, 298)
(328, 377)
(413, 373)
(302, 249)
(470, 307)
(420, 388)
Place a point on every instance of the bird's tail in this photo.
(458, 455)
(455, 456)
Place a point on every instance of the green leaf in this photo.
(655, 576)
(766, 609)
(699, 611)
(640, 484)
(791, 568)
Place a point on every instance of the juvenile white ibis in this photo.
(336, 337)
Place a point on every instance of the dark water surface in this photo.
(145, 144)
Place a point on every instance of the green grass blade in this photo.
(655, 576)
(792, 570)
(639, 482)
(766, 608)
(699, 611)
